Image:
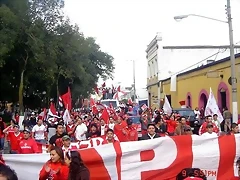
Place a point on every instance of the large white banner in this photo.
(157, 159)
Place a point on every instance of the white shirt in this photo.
(197, 114)
(207, 134)
(103, 130)
(217, 123)
(82, 128)
(39, 131)
(111, 125)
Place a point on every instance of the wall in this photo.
(197, 82)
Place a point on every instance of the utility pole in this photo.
(134, 82)
(233, 65)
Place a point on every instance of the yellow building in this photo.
(193, 86)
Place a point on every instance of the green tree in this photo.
(41, 49)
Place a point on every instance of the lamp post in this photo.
(134, 82)
(232, 55)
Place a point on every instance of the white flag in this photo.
(212, 107)
(167, 107)
(173, 83)
(66, 117)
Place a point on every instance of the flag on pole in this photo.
(66, 116)
(60, 101)
(167, 107)
(212, 107)
(67, 100)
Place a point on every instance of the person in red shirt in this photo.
(120, 130)
(70, 128)
(9, 130)
(132, 133)
(15, 138)
(171, 125)
(17, 117)
(55, 168)
(109, 137)
(27, 145)
(203, 127)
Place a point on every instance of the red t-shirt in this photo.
(203, 128)
(171, 126)
(58, 171)
(28, 146)
(70, 128)
(17, 118)
(132, 134)
(9, 133)
(14, 140)
(119, 129)
(106, 142)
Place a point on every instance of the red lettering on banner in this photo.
(147, 155)
(95, 164)
(227, 147)
(183, 160)
(118, 150)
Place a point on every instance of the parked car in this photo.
(137, 124)
(190, 115)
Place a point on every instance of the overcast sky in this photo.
(124, 28)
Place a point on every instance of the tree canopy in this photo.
(41, 53)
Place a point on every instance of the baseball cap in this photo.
(16, 125)
(66, 137)
(27, 130)
(210, 125)
(129, 121)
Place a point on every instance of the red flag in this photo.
(94, 109)
(105, 115)
(67, 99)
(96, 89)
(104, 85)
(92, 102)
(119, 89)
(130, 101)
(52, 109)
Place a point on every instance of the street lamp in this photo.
(232, 55)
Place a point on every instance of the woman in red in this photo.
(55, 168)
(171, 125)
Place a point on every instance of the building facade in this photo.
(164, 61)
(193, 86)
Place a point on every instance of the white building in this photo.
(164, 61)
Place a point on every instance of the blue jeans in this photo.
(42, 141)
(2, 140)
(13, 152)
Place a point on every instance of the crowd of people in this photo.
(66, 163)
